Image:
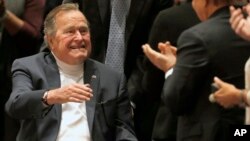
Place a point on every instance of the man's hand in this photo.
(239, 23)
(227, 94)
(165, 59)
(71, 93)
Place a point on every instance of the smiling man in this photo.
(62, 95)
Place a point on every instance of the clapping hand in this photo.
(165, 59)
(240, 21)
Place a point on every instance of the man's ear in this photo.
(49, 41)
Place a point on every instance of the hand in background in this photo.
(239, 23)
(165, 59)
(227, 94)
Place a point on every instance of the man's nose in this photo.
(78, 35)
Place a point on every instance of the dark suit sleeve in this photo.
(124, 124)
(163, 4)
(182, 88)
(24, 102)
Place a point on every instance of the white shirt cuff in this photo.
(168, 73)
(248, 98)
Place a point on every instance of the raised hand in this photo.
(227, 94)
(165, 59)
(240, 21)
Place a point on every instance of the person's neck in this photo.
(68, 68)
(211, 8)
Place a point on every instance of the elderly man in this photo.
(63, 95)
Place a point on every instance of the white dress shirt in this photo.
(74, 124)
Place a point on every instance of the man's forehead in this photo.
(72, 14)
(67, 17)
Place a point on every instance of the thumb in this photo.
(145, 48)
(149, 52)
(231, 8)
(218, 81)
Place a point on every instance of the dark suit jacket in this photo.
(208, 49)
(168, 25)
(139, 20)
(108, 111)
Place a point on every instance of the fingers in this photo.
(164, 47)
(72, 93)
(149, 52)
(74, 99)
(218, 82)
(174, 50)
(146, 48)
(79, 97)
(232, 9)
(226, 95)
(234, 12)
(81, 92)
(156, 58)
(163, 60)
(224, 101)
(240, 26)
(247, 9)
(236, 18)
(167, 43)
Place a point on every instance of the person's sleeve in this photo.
(181, 89)
(168, 73)
(25, 102)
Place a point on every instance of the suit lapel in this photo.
(134, 11)
(53, 77)
(91, 76)
(52, 72)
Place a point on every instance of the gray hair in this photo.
(50, 20)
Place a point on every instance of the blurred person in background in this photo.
(227, 94)
(21, 22)
(147, 82)
(200, 56)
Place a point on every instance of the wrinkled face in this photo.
(71, 42)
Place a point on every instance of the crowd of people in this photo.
(58, 85)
